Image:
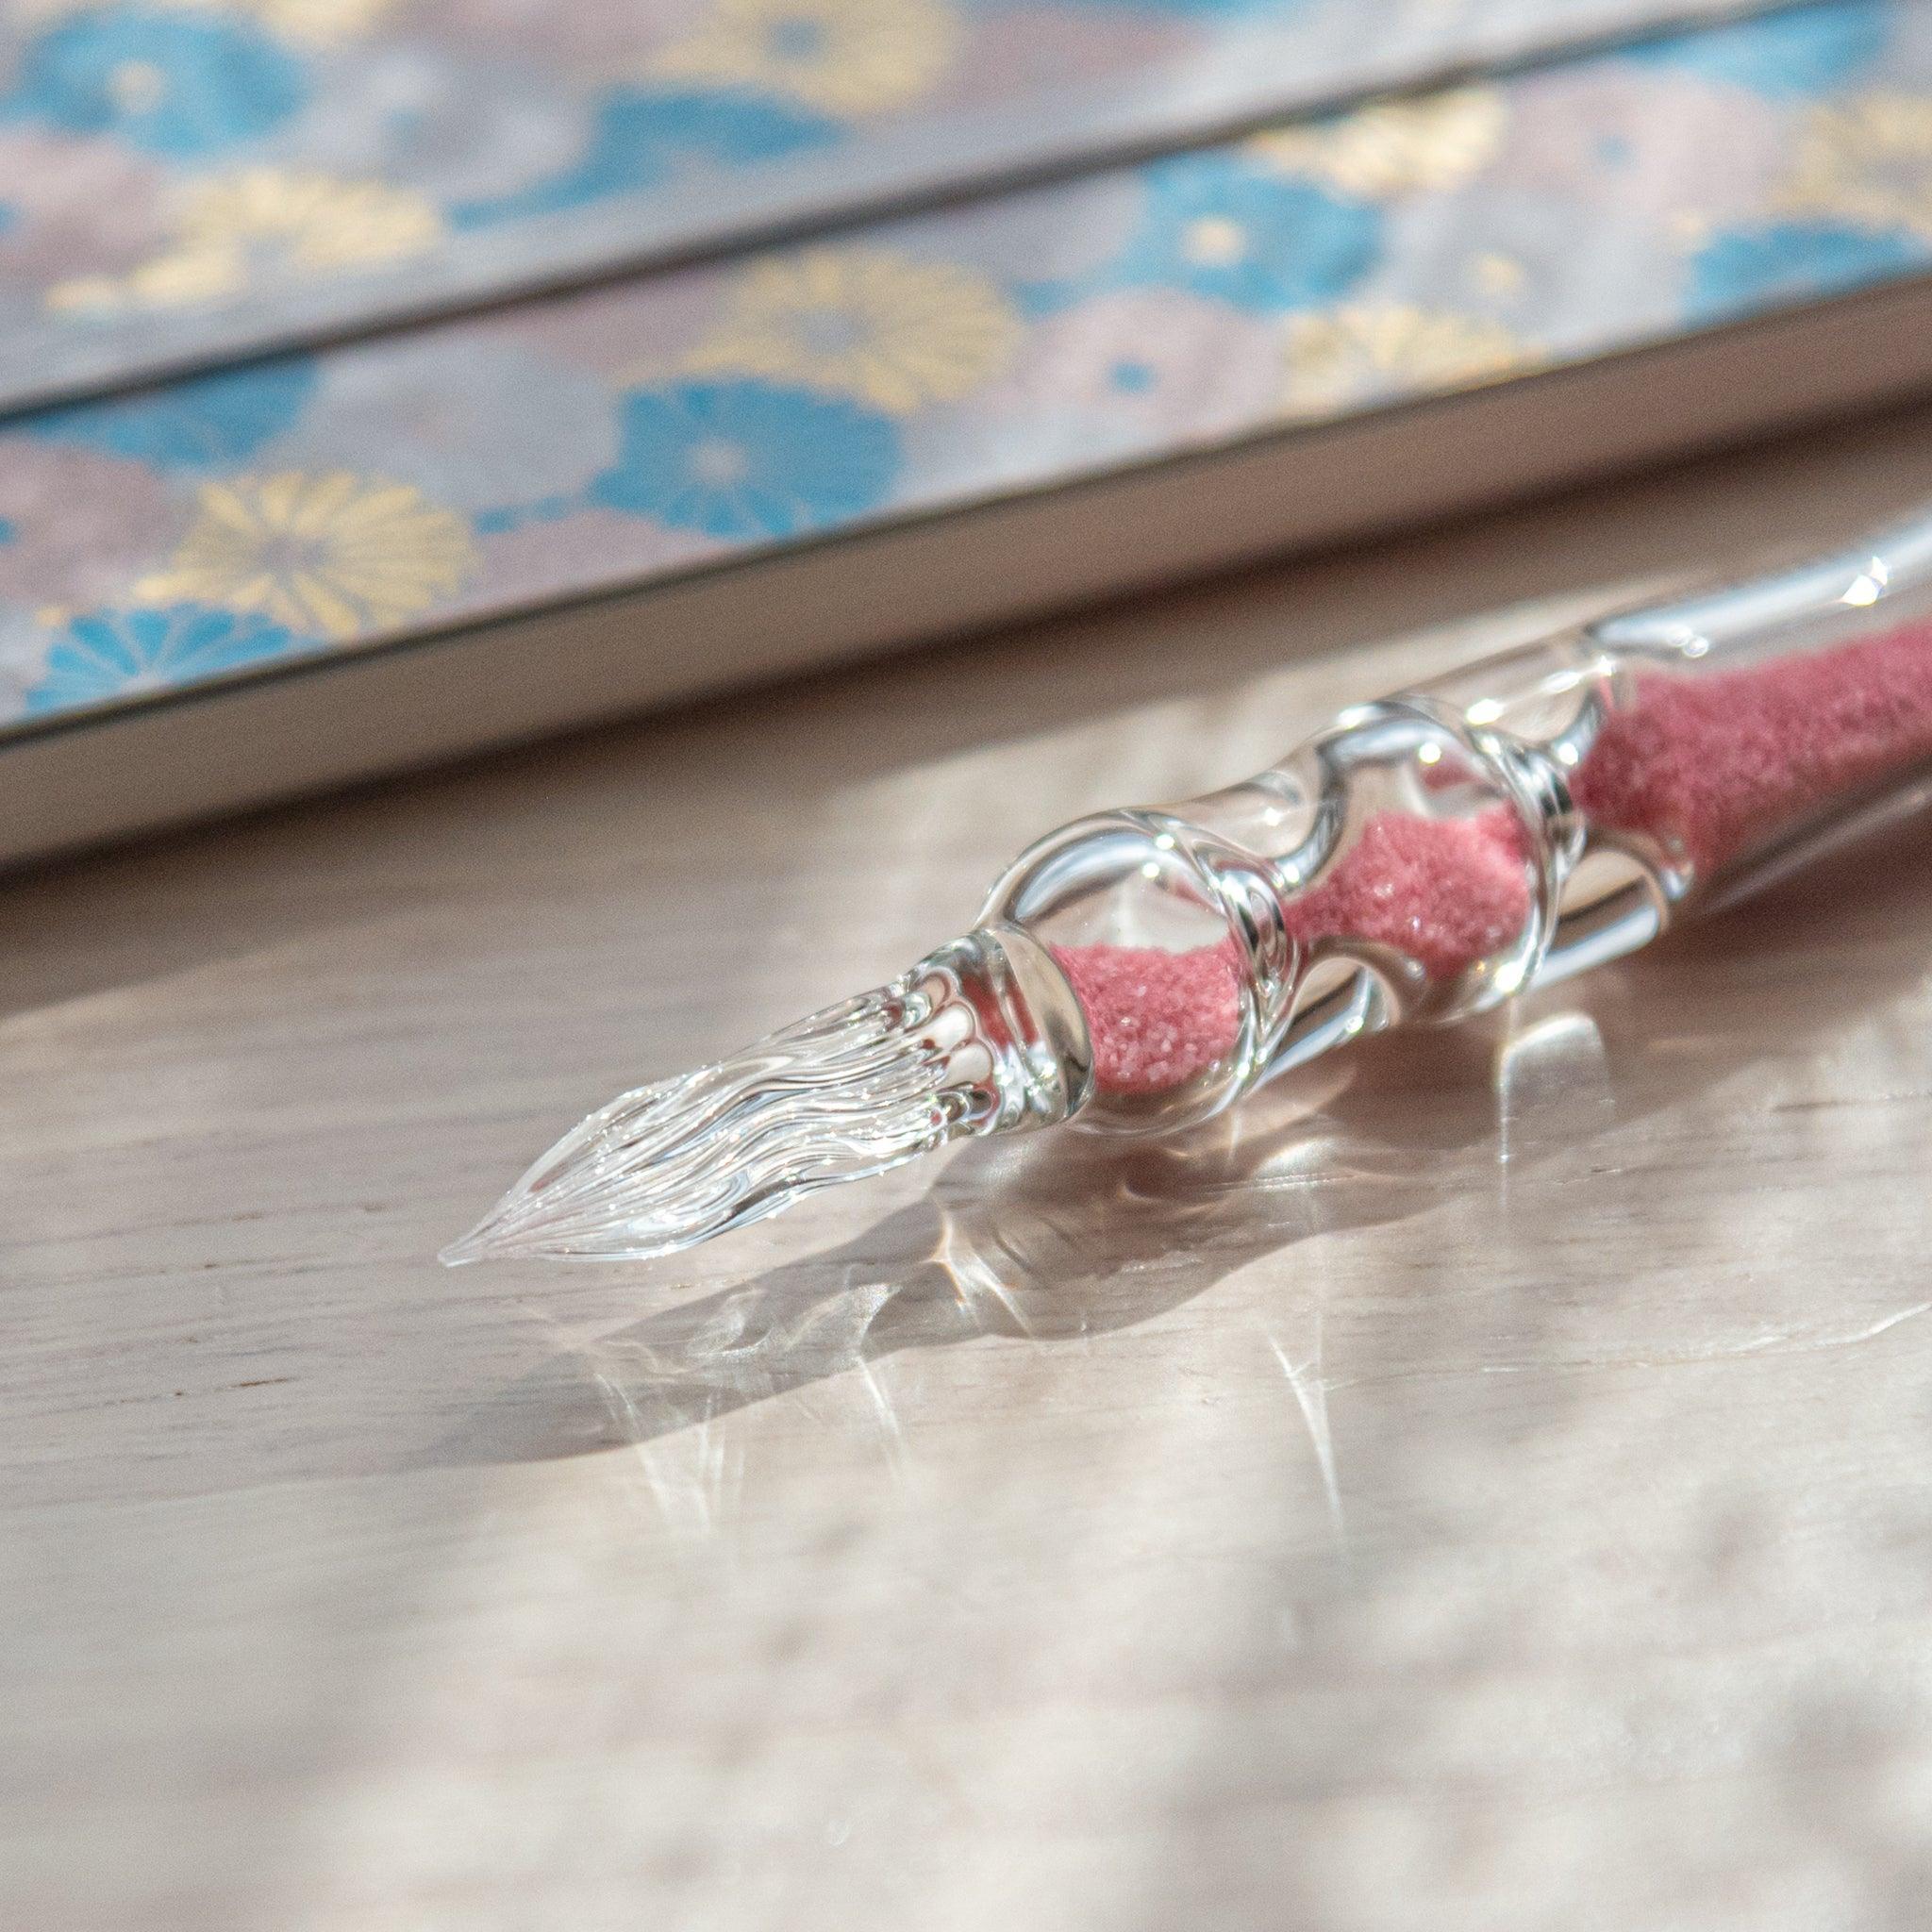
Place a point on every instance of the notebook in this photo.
(196, 180)
(288, 566)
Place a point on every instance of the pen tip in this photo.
(850, 1091)
(983, 1036)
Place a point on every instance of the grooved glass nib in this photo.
(853, 1090)
(982, 1037)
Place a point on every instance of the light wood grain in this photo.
(1484, 1487)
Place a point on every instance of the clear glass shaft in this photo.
(1441, 849)
(1424, 856)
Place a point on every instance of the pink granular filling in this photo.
(1156, 1019)
(1705, 766)
(1709, 766)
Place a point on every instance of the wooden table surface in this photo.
(1484, 1488)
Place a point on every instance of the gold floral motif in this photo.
(895, 333)
(316, 22)
(1497, 274)
(1342, 356)
(1867, 160)
(316, 222)
(843, 57)
(169, 281)
(1213, 242)
(261, 223)
(333, 555)
(320, 22)
(1394, 147)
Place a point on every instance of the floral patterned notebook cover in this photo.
(184, 180)
(316, 503)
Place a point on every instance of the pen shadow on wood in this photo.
(1051, 1239)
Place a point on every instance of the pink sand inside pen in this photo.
(1705, 766)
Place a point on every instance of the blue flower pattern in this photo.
(205, 422)
(1217, 225)
(1801, 52)
(1743, 270)
(641, 140)
(747, 461)
(109, 655)
(172, 84)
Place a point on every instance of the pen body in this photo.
(1422, 858)
(1436, 851)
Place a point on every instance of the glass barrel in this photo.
(1439, 850)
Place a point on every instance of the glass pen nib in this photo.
(954, 1047)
